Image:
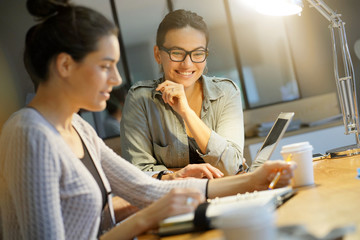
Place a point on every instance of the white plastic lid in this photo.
(296, 147)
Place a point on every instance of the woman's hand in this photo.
(174, 95)
(177, 201)
(203, 170)
(262, 177)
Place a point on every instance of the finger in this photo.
(208, 174)
(283, 183)
(215, 172)
(271, 176)
(167, 94)
(187, 199)
(172, 97)
(160, 87)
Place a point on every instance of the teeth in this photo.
(185, 73)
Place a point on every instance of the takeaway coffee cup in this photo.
(301, 153)
(250, 222)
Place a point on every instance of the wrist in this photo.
(188, 113)
(164, 175)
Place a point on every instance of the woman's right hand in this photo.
(174, 94)
(177, 201)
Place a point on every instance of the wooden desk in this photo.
(334, 201)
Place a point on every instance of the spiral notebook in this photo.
(202, 217)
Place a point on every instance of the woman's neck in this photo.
(193, 91)
(54, 108)
(195, 97)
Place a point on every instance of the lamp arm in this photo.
(346, 84)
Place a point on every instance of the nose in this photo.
(116, 79)
(187, 60)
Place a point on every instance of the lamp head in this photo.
(279, 7)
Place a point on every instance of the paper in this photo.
(267, 198)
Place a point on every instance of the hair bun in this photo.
(45, 8)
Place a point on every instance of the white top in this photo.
(46, 191)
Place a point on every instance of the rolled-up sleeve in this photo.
(226, 143)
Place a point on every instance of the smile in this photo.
(185, 73)
(106, 94)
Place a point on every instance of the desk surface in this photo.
(332, 202)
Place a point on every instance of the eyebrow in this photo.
(108, 59)
(198, 48)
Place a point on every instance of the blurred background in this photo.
(274, 60)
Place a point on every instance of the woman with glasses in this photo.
(184, 119)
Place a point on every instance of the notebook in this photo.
(206, 214)
(272, 139)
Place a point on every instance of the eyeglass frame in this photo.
(167, 50)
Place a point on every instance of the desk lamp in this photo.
(345, 84)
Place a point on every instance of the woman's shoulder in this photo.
(217, 87)
(143, 90)
(25, 118)
(224, 83)
(26, 122)
(145, 85)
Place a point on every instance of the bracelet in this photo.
(163, 172)
(160, 174)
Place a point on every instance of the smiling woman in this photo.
(200, 117)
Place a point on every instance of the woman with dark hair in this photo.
(56, 175)
(184, 117)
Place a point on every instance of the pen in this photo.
(278, 175)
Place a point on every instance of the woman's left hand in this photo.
(262, 177)
(174, 95)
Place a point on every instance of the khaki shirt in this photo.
(153, 135)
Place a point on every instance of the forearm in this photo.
(128, 229)
(231, 185)
(200, 132)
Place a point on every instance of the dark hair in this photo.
(180, 19)
(65, 28)
(117, 99)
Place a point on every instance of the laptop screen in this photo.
(272, 139)
(266, 149)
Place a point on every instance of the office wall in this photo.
(14, 81)
(308, 35)
(310, 42)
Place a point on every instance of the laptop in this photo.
(272, 139)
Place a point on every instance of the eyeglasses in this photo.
(179, 55)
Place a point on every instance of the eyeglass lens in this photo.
(179, 55)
